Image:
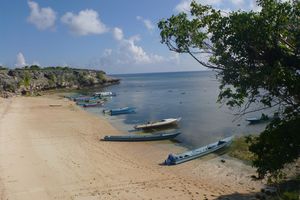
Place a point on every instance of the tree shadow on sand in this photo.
(287, 190)
(239, 196)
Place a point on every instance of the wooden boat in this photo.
(93, 104)
(119, 111)
(72, 97)
(85, 98)
(81, 103)
(174, 159)
(141, 137)
(253, 120)
(263, 118)
(160, 123)
(104, 94)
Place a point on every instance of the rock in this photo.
(31, 81)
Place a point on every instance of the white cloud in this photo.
(253, 6)
(118, 33)
(21, 62)
(130, 52)
(238, 3)
(149, 25)
(42, 18)
(184, 5)
(223, 5)
(84, 23)
(127, 52)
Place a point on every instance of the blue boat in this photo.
(95, 104)
(104, 94)
(86, 98)
(141, 137)
(119, 111)
(174, 159)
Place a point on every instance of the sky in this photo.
(115, 36)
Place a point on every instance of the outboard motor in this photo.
(170, 160)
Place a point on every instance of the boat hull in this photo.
(93, 105)
(119, 111)
(139, 138)
(191, 155)
(158, 124)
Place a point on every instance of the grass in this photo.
(289, 189)
(240, 149)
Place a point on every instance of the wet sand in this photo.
(54, 152)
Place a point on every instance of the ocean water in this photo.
(189, 95)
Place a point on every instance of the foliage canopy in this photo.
(257, 59)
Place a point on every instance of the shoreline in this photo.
(62, 157)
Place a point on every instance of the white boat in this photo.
(104, 94)
(174, 159)
(160, 123)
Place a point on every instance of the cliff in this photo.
(34, 79)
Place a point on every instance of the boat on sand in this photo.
(174, 159)
(141, 137)
(163, 122)
(95, 104)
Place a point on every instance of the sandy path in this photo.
(55, 153)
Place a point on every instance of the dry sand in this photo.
(55, 153)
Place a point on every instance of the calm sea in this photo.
(189, 95)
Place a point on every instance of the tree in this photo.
(34, 67)
(257, 59)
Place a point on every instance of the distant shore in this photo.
(49, 152)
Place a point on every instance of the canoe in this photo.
(253, 120)
(72, 97)
(174, 159)
(81, 103)
(163, 122)
(263, 118)
(118, 111)
(93, 104)
(85, 98)
(104, 94)
(141, 137)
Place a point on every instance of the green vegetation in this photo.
(290, 195)
(256, 56)
(3, 68)
(240, 149)
(32, 79)
(34, 67)
(27, 80)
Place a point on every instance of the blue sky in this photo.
(115, 36)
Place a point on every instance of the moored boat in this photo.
(163, 122)
(263, 118)
(174, 159)
(141, 137)
(104, 94)
(253, 120)
(93, 104)
(118, 111)
(85, 98)
(81, 103)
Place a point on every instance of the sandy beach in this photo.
(54, 152)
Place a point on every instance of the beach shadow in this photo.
(168, 128)
(289, 187)
(239, 196)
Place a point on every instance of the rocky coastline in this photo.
(34, 79)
